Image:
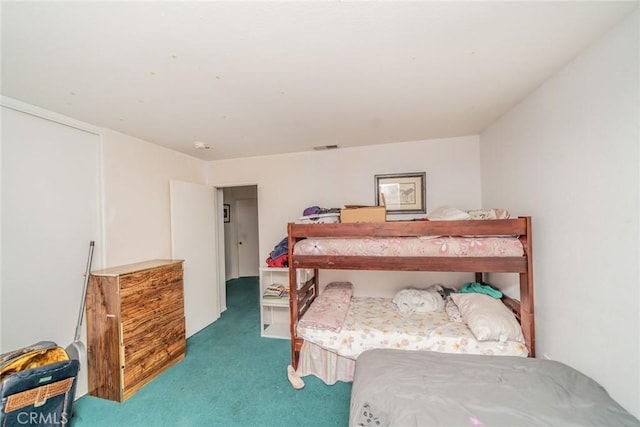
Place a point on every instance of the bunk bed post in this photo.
(293, 298)
(526, 294)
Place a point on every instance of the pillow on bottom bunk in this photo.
(488, 318)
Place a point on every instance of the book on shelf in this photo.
(275, 290)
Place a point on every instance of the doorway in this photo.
(241, 233)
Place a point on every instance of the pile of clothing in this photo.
(279, 256)
(317, 210)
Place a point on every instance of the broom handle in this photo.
(84, 290)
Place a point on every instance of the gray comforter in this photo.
(420, 388)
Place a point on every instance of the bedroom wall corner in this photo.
(568, 156)
(136, 213)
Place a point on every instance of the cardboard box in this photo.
(363, 214)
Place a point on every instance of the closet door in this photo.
(50, 213)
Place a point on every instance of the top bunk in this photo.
(488, 245)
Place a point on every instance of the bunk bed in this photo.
(319, 237)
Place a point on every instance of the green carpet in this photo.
(230, 377)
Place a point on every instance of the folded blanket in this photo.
(329, 310)
(419, 300)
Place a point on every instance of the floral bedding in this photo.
(329, 310)
(377, 323)
(428, 246)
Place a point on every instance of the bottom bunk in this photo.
(412, 388)
(337, 328)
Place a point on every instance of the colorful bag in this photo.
(38, 386)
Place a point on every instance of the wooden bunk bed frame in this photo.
(301, 298)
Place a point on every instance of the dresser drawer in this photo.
(141, 305)
(150, 354)
(148, 282)
(134, 329)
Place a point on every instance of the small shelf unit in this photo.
(274, 312)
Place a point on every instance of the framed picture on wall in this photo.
(402, 193)
(227, 213)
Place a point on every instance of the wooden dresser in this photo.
(135, 326)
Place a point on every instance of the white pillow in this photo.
(488, 318)
(447, 213)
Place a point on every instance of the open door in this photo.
(193, 239)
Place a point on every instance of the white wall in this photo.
(136, 196)
(287, 184)
(568, 155)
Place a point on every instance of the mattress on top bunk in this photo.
(377, 323)
(427, 246)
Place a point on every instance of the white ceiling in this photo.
(258, 78)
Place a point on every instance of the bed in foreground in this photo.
(418, 388)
